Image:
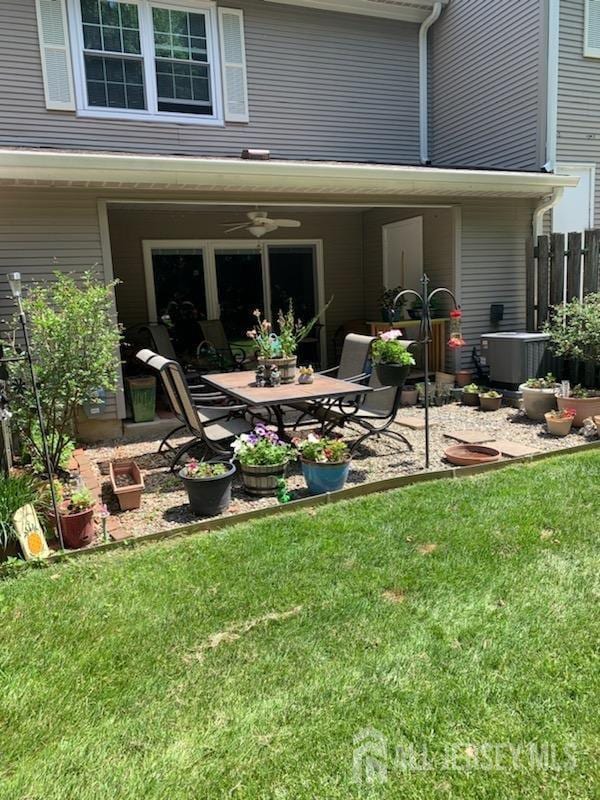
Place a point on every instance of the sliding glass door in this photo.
(187, 281)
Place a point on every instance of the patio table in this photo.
(242, 386)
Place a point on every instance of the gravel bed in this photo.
(164, 501)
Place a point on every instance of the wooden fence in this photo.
(561, 267)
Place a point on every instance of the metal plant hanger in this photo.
(426, 337)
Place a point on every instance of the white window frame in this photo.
(151, 113)
(209, 248)
(588, 52)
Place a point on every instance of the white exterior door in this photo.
(403, 253)
(575, 211)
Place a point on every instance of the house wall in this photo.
(578, 96)
(45, 231)
(487, 81)
(321, 86)
(340, 231)
(492, 268)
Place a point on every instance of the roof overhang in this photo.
(229, 176)
(405, 10)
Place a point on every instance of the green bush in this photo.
(574, 330)
(74, 345)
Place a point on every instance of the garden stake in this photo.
(14, 280)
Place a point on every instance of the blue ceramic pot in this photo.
(322, 478)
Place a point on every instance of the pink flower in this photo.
(389, 336)
(251, 334)
(104, 512)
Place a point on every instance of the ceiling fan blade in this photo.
(286, 223)
(236, 228)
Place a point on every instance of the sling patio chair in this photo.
(374, 412)
(217, 349)
(212, 426)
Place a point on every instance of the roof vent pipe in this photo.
(423, 79)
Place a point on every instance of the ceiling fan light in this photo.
(257, 230)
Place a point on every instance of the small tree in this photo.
(74, 346)
(574, 330)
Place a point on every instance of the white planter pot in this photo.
(538, 402)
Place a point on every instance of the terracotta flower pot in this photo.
(463, 378)
(409, 397)
(468, 455)
(558, 426)
(490, 403)
(127, 484)
(77, 529)
(584, 407)
(286, 367)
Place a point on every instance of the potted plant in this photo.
(463, 378)
(77, 519)
(208, 485)
(490, 401)
(127, 483)
(574, 330)
(263, 457)
(585, 403)
(389, 312)
(539, 396)
(559, 422)
(409, 395)
(470, 394)
(435, 307)
(391, 358)
(325, 463)
(279, 349)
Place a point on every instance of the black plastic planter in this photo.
(209, 497)
(392, 374)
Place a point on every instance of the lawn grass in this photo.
(446, 617)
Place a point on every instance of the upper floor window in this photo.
(168, 60)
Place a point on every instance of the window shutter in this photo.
(233, 60)
(592, 29)
(56, 58)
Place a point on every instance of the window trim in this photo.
(588, 51)
(151, 114)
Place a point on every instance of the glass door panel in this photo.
(180, 294)
(240, 288)
(292, 275)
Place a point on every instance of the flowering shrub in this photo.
(262, 447)
(203, 469)
(322, 450)
(291, 332)
(387, 350)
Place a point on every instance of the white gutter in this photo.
(423, 80)
(543, 207)
(552, 84)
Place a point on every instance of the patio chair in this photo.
(156, 337)
(211, 425)
(354, 358)
(216, 347)
(374, 411)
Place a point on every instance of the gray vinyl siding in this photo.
(492, 268)
(321, 86)
(487, 85)
(578, 95)
(42, 232)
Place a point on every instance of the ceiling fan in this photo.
(259, 223)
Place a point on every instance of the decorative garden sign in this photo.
(30, 534)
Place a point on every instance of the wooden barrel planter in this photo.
(261, 480)
(286, 367)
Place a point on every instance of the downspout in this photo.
(423, 79)
(552, 85)
(545, 205)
